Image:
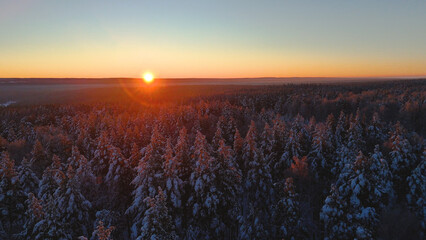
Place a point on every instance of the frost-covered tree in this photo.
(321, 154)
(351, 209)
(149, 177)
(375, 130)
(174, 184)
(51, 226)
(12, 196)
(416, 196)
(356, 137)
(100, 160)
(73, 208)
(227, 180)
(39, 157)
(340, 131)
(27, 177)
(204, 199)
(52, 178)
(118, 179)
(157, 223)
(102, 233)
(33, 215)
(257, 185)
(104, 225)
(402, 159)
(287, 213)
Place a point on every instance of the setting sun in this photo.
(148, 78)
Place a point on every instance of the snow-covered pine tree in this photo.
(340, 130)
(287, 214)
(51, 226)
(321, 153)
(148, 178)
(52, 177)
(101, 232)
(73, 208)
(135, 156)
(27, 177)
(174, 184)
(182, 155)
(238, 149)
(12, 196)
(416, 196)
(375, 131)
(33, 215)
(402, 159)
(227, 178)
(204, 199)
(356, 134)
(218, 135)
(351, 209)
(157, 223)
(257, 185)
(117, 180)
(39, 158)
(100, 160)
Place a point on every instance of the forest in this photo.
(293, 161)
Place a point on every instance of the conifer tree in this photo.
(148, 178)
(73, 208)
(51, 226)
(39, 157)
(12, 196)
(52, 178)
(118, 179)
(100, 160)
(402, 159)
(33, 215)
(258, 190)
(416, 196)
(351, 209)
(174, 184)
(157, 222)
(27, 177)
(287, 213)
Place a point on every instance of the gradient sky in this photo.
(244, 38)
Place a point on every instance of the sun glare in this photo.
(148, 77)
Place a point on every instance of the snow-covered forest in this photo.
(267, 162)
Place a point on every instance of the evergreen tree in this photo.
(257, 197)
(27, 177)
(52, 178)
(157, 223)
(205, 198)
(100, 161)
(416, 196)
(351, 209)
(12, 196)
(149, 177)
(174, 183)
(51, 226)
(321, 154)
(117, 180)
(287, 214)
(73, 208)
(39, 157)
(33, 215)
(402, 159)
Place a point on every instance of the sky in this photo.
(212, 39)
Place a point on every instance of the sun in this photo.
(148, 77)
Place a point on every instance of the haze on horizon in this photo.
(211, 39)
